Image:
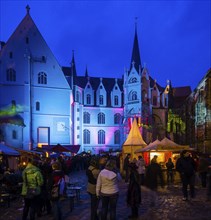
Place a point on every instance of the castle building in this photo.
(43, 103)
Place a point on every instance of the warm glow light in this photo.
(160, 155)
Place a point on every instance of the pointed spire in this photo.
(170, 96)
(73, 68)
(27, 9)
(136, 53)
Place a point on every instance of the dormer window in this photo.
(101, 99)
(154, 100)
(88, 86)
(116, 100)
(88, 99)
(101, 87)
(77, 96)
(166, 101)
(116, 88)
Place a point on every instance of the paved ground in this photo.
(169, 205)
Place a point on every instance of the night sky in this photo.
(174, 36)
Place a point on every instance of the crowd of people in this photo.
(103, 178)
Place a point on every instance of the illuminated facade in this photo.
(53, 104)
(202, 98)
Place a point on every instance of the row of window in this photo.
(101, 118)
(101, 99)
(101, 137)
(11, 76)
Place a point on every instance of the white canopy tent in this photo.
(164, 145)
(134, 140)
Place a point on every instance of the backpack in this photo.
(91, 178)
(58, 189)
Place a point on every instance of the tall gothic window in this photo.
(117, 118)
(154, 100)
(88, 99)
(11, 75)
(86, 136)
(101, 99)
(42, 78)
(117, 137)
(101, 118)
(86, 118)
(116, 100)
(134, 95)
(101, 137)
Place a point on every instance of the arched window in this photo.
(42, 78)
(14, 134)
(144, 96)
(116, 100)
(117, 137)
(154, 100)
(86, 118)
(134, 95)
(86, 136)
(133, 80)
(11, 75)
(101, 137)
(101, 99)
(117, 118)
(166, 101)
(101, 118)
(37, 106)
(88, 99)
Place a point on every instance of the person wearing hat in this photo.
(92, 174)
(186, 167)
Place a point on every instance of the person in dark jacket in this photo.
(57, 175)
(126, 167)
(169, 171)
(153, 175)
(92, 174)
(134, 191)
(186, 166)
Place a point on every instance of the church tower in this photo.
(132, 84)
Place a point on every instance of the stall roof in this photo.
(6, 150)
(62, 148)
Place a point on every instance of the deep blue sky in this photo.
(174, 36)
